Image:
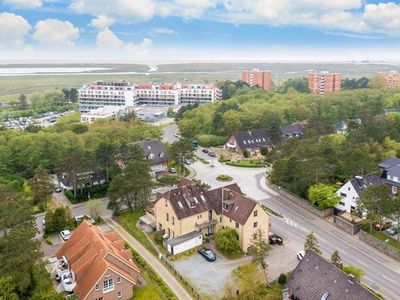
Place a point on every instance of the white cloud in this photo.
(124, 10)
(164, 31)
(109, 40)
(101, 22)
(13, 29)
(383, 17)
(24, 3)
(194, 8)
(56, 32)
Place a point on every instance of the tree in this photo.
(104, 154)
(395, 212)
(246, 153)
(264, 151)
(80, 128)
(374, 203)
(41, 184)
(356, 272)
(323, 195)
(179, 151)
(311, 243)
(259, 251)
(22, 101)
(336, 259)
(227, 241)
(58, 220)
(94, 208)
(127, 117)
(132, 188)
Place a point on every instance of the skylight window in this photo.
(180, 205)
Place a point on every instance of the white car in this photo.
(301, 254)
(65, 235)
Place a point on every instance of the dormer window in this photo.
(151, 156)
(162, 154)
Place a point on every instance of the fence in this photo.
(302, 202)
(347, 226)
(182, 279)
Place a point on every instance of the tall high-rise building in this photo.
(389, 80)
(259, 78)
(324, 82)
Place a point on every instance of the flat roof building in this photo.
(390, 80)
(259, 78)
(324, 82)
(122, 93)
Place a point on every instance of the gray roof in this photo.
(390, 162)
(292, 129)
(314, 277)
(183, 238)
(155, 151)
(360, 183)
(253, 139)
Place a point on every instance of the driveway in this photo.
(50, 250)
(208, 277)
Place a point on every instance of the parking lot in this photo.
(210, 277)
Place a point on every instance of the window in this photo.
(108, 285)
(167, 217)
(101, 298)
(119, 294)
(255, 213)
(343, 195)
(118, 279)
(348, 188)
(394, 189)
(341, 203)
(173, 220)
(97, 287)
(237, 225)
(255, 225)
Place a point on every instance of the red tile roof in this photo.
(88, 252)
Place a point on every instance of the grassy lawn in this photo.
(224, 177)
(201, 160)
(128, 220)
(247, 163)
(271, 211)
(149, 291)
(385, 238)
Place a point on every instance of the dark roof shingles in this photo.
(253, 139)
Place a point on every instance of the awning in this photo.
(146, 219)
(206, 224)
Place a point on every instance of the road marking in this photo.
(361, 263)
(388, 278)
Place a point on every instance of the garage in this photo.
(184, 242)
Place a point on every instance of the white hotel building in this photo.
(121, 93)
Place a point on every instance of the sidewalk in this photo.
(157, 266)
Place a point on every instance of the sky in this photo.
(199, 30)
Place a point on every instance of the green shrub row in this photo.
(96, 192)
(209, 140)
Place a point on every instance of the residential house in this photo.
(341, 127)
(68, 181)
(315, 278)
(95, 265)
(293, 131)
(188, 212)
(351, 191)
(251, 140)
(157, 156)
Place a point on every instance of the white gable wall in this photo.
(348, 197)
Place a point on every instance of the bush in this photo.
(264, 151)
(98, 191)
(49, 240)
(223, 177)
(246, 153)
(227, 241)
(209, 140)
(282, 279)
(168, 180)
(356, 272)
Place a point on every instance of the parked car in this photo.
(301, 254)
(385, 225)
(65, 235)
(205, 150)
(58, 189)
(207, 254)
(79, 218)
(275, 239)
(212, 154)
(44, 224)
(172, 170)
(177, 135)
(392, 231)
(188, 162)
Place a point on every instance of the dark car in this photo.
(275, 239)
(205, 150)
(212, 154)
(207, 254)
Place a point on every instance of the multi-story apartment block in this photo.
(121, 93)
(324, 82)
(389, 80)
(259, 78)
(187, 213)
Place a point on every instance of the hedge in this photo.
(209, 140)
(96, 192)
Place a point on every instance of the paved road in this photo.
(168, 133)
(169, 279)
(382, 272)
